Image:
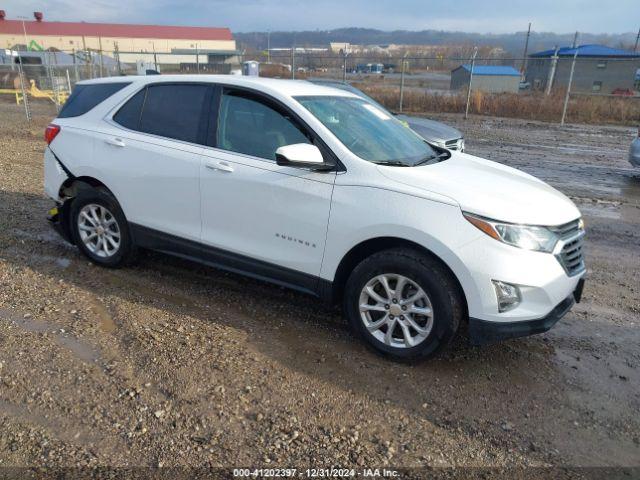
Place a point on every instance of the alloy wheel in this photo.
(99, 230)
(396, 310)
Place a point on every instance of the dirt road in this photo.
(171, 363)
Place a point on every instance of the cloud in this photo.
(489, 16)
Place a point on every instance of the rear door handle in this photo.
(221, 166)
(116, 142)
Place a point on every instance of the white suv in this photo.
(316, 189)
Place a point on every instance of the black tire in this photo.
(126, 249)
(442, 290)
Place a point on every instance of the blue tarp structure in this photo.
(492, 70)
(589, 51)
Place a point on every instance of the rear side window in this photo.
(176, 111)
(130, 113)
(85, 97)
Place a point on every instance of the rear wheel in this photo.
(100, 229)
(403, 304)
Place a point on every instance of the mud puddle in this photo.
(83, 350)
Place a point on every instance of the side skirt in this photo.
(215, 257)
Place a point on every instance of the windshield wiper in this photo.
(427, 160)
(393, 163)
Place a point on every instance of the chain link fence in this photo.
(554, 88)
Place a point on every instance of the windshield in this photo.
(347, 87)
(369, 132)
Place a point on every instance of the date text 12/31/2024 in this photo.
(315, 473)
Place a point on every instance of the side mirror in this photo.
(301, 155)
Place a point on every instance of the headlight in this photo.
(528, 237)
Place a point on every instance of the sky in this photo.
(489, 16)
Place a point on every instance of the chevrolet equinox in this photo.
(317, 189)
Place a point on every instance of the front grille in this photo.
(567, 230)
(571, 255)
(453, 144)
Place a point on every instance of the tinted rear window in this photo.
(176, 111)
(85, 97)
(130, 113)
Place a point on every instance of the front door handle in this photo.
(116, 142)
(221, 166)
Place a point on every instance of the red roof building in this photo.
(67, 36)
(113, 30)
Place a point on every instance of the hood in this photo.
(431, 130)
(489, 189)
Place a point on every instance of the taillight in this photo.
(51, 132)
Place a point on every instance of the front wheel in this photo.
(403, 304)
(100, 229)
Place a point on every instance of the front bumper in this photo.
(541, 278)
(482, 332)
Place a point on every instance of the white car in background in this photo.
(316, 189)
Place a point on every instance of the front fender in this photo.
(437, 227)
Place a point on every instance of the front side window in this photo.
(248, 125)
(596, 87)
(369, 132)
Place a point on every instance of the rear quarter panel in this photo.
(75, 148)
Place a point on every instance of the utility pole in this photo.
(24, 31)
(404, 66)
(473, 62)
(116, 54)
(635, 48)
(23, 87)
(575, 40)
(293, 58)
(526, 49)
(573, 66)
(75, 65)
(268, 46)
(344, 67)
(155, 58)
(86, 54)
(552, 71)
(52, 81)
(101, 58)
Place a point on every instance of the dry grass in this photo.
(532, 106)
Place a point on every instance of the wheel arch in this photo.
(70, 189)
(71, 186)
(374, 245)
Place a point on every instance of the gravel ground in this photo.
(169, 363)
